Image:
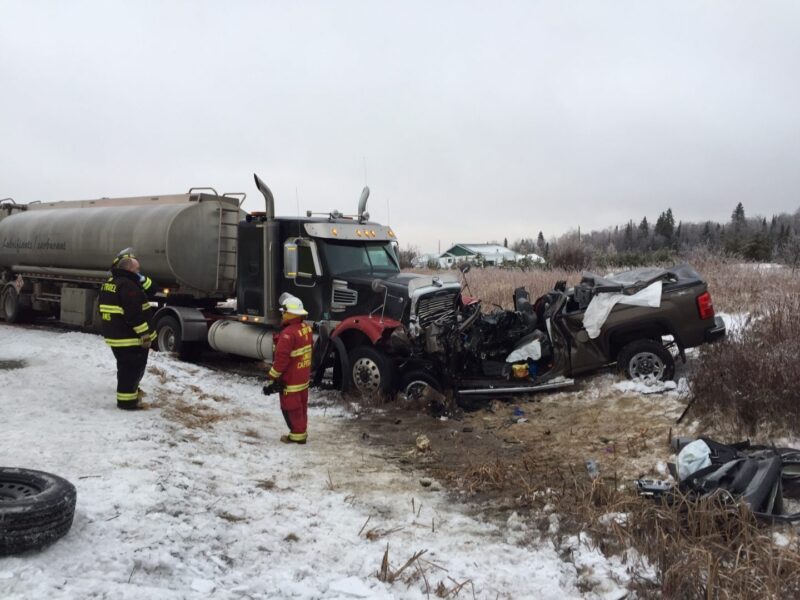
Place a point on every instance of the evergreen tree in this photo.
(627, 237)
(737, 217)
(665, 225)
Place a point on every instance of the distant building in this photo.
(488, 254)
(423, 260)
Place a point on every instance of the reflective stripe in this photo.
(147, 283)
(300, 351)
(141, 328)
(295, 388)
(123, 342)
(298, 437)
(273, 373)
(125, 396)
(153, 336)
(146, 305)
(111, 308)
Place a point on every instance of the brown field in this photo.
(735, 286)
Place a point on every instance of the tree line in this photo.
(756, 239)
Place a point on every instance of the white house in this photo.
(488, 254)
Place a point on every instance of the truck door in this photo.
(303, 275)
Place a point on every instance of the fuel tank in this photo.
(184, 241)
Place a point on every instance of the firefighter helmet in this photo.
(127, 253)
(292, 305)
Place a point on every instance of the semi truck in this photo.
(218, 272)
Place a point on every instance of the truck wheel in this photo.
(11, 310)
(168, 335)
(169, 338)
(371, 371)
(36, 509)
(646, 360)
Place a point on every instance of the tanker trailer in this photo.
(54, 256)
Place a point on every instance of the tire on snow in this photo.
(36, 509)
(169, 338)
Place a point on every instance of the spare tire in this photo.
(36, 509)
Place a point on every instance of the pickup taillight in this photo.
(705, 306)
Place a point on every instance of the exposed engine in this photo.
(465, 342)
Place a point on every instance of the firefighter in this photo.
(291, 368)
(127, 325)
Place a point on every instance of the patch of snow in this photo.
(607, 577)
(646, 386)
(352, 587)
(762, 267)
(170, 506)
(780, 539)
(613, 517)
(735, 323)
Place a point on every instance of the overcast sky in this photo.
(469, 121)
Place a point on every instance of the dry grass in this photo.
(747, 386)
(735, 286)
(192, 415)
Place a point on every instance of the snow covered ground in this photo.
(196, 498)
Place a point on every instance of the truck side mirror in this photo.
(290, 260)
(464, 267)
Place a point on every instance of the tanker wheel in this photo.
(169, 338)
(11, 309)
(371, 371)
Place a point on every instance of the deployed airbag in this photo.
(601, 305)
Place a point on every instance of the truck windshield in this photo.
(346, 257)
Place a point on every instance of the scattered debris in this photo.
(761, 477)
(423, 443)
(592, 468)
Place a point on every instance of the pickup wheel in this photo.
(371, 371)
(413, 384)
(646, 360)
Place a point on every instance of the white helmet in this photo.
(292, 305)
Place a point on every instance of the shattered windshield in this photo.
(365, 257)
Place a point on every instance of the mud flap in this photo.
(341, 362)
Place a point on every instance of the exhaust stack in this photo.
(268, 197)
(363, 215)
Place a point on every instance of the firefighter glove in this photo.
(145, 341)
(273, 387)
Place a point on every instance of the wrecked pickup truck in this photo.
(640, 320)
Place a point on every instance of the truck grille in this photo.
(431, 307)
(343, 297)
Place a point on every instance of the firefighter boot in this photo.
(294, 438)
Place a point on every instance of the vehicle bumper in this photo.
(717, 331)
